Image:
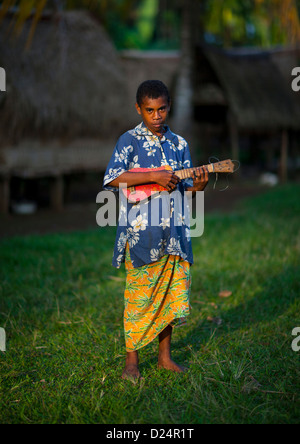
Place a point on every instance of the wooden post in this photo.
(283, 156)
(57, 193)
(4, 194)
(234, 139)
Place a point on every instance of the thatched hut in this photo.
(249, 91)
(63, 101)
(69, 97)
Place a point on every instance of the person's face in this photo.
(154, 113)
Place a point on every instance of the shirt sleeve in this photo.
(187, 163)
(119, 162)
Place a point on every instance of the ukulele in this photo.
(142, 192)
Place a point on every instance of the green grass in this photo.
(61, 304)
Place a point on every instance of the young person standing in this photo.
(157, 257)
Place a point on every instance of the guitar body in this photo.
(139, 193)
(142, 192)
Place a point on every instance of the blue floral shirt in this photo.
(160, 225)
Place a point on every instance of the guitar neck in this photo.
(189, 172)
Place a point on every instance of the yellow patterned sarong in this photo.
(156, 295)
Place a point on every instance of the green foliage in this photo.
(146, 15)
(147, 24)
(252, 22)
(134, 27)
(61, 304)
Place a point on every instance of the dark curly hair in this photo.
(153, 89)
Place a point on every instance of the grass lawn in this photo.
(61, 304)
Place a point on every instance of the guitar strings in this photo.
(217, 175)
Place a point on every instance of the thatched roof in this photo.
(69, 83)
(257, 86)
(30, 158)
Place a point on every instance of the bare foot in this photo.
(131, 372)
(168, 364)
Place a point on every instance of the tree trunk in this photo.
(183, 100)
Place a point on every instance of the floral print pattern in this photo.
(156, 295)
(159, 226)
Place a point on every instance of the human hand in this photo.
(200, 179)
(166, 178)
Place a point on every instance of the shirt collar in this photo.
(142, 130)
